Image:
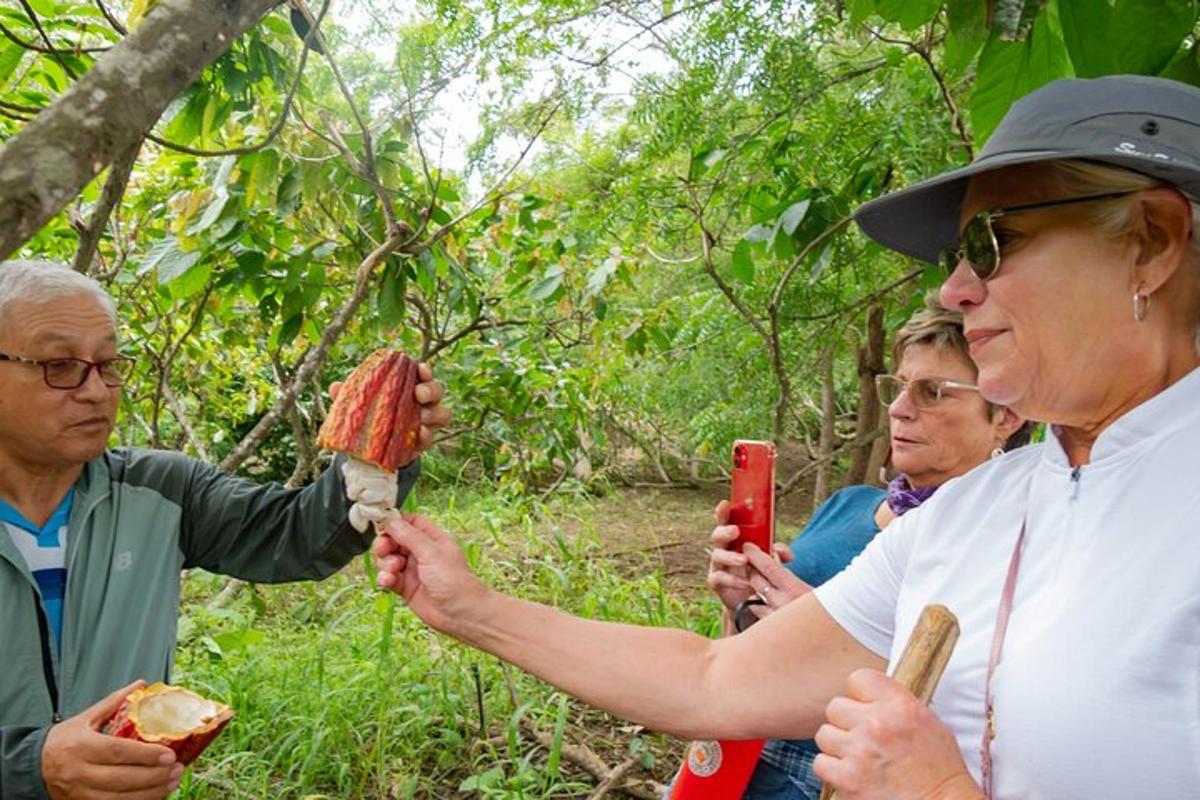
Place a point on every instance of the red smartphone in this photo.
(753, 494)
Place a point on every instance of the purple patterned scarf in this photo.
(903, 497)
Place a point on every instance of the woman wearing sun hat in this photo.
(1073, 565)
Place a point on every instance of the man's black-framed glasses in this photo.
(71, 373)
(978, 245)
(924, 392)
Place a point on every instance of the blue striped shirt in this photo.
(45, 552)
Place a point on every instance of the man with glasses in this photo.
(92, 541)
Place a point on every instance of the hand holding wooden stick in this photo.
(924, 659)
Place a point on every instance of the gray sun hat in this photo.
(1148, 125)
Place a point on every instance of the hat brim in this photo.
(922, 220)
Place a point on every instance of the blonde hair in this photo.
(934, 325)
(1115, 217)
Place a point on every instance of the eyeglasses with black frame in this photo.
(71, 373)
(978, 245)
(924, 392)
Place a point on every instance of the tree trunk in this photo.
(870, 364)
(64, 147)
(881, 450)
(828, 418)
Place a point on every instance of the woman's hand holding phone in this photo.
(734, 577)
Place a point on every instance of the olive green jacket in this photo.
(140, 517)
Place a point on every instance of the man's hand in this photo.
(434, 415)
(373, 489)
(879, 741)
(80, 763)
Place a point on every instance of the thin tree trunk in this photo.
(828, 418)
(881, 450)
(870, 364)
(64, 147)
(110, 198)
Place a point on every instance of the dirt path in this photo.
(671, 527)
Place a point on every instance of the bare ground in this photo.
(671, 527)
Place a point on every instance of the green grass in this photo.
(341, 692)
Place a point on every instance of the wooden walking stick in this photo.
(924, 658)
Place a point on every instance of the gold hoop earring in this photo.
(1141, 305)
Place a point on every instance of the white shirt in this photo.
(1098, 691)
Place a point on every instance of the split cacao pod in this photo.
(172, 716)
(376, 417)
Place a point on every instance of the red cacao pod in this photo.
(376, 416)
(169, 715)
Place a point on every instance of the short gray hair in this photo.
(25, 282)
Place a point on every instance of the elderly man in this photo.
(92, 541)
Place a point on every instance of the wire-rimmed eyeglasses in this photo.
(923, 392)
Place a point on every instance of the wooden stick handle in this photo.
(924, 658)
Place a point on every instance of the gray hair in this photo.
(25, 282)
(1115, 217)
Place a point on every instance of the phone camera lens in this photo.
(739, 457)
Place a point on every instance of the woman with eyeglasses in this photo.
(940, 427)
(1073, 565)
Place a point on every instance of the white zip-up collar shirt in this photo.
(1097, 694)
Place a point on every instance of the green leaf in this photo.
(10, 58)
(821, 262)
(860, 11)
(192, 281)
(967, 20)
(211, 214)
(1008, 71)
(390, 301)
(1186, 67)
(706, 159)
(231, 641)
(560, 726)
(289, 329)
(548, 285)
(743, 262)
(759, 233)
(287, 197)
(598, 278)
(174, 263)
(1085, 28)
(791, 218)
(908, 13)
(1145, 40)
(43, 8)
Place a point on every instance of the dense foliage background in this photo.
(641, 251)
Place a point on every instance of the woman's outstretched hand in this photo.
(422, 563)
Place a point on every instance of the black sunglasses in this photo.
(978, 246)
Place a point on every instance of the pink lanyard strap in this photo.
(1002, 615)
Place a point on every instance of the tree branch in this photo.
(316, 357)
(60, 151)
(114, 189)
